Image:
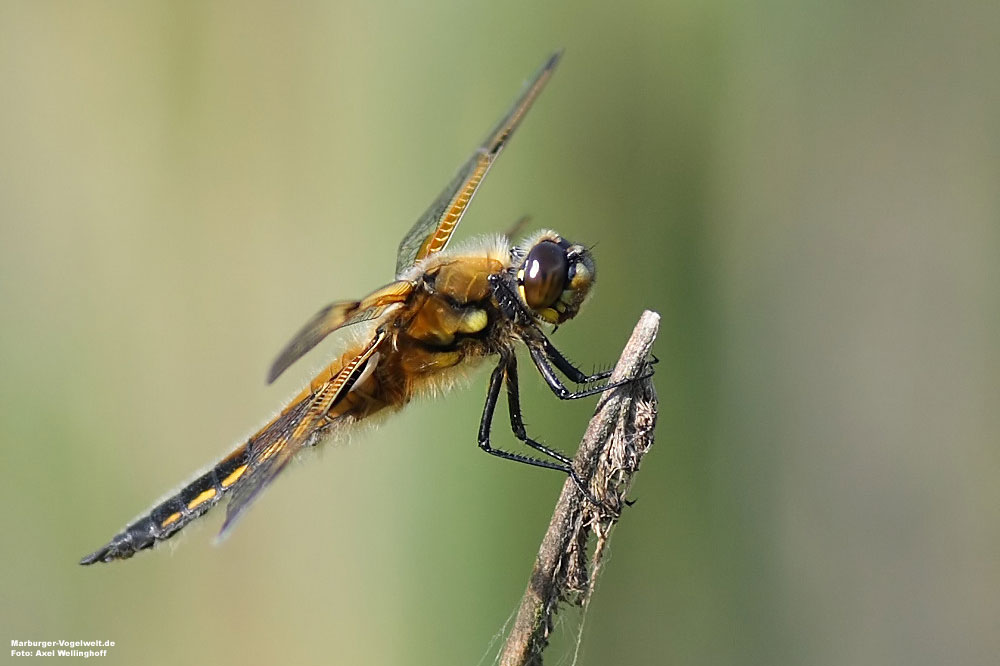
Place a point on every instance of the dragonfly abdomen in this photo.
(169, 516)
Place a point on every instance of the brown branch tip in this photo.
(616, 439)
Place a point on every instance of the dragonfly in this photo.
(445, 311)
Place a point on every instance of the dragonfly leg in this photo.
(485, 424)
(565, 366)
(544, 363)
(517, 426)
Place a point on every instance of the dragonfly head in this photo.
(554, 276)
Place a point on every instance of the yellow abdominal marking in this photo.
(234, 477)
(473, 321)
(269, 451)
(171, 519)
(202, 498)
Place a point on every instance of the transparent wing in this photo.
(435, 227)
(517, 227)
(337, 315)
(271, 451)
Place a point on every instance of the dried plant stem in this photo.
(618, 436)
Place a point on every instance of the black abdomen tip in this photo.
(137, 536)
(120, 548)
(102, 555)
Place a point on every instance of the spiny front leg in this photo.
(566, 367)
(544, 362)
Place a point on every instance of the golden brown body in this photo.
(446, 321)
(440, 320)
(444, 311)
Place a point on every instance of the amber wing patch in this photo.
(432, 231)
(338, 315)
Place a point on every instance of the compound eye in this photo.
(544, 276)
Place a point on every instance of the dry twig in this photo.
(618, 436)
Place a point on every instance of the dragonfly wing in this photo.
(517, 227)
(434, 228)
(272, 450)
(337, 315)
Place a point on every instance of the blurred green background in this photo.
(807, 192)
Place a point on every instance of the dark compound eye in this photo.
(544, 277)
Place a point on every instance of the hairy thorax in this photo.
(436, 337)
